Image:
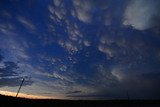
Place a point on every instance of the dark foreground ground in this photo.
(21, 102)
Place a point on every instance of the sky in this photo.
(80, 49)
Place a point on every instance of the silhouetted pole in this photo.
(128, 95)
(20, 87)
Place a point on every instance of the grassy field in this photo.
(6, 101)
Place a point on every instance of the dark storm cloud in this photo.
(139, 78)
(73, 92)
(9, 69)
(138, 86)
(135, 56)
(13, 82)
(9, 74)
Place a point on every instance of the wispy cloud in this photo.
(8, 29)
(26, 23)
(14, 50)
(5, 14)
(87, 43)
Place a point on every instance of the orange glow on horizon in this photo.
(23, 95)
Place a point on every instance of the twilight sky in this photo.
(81, 49)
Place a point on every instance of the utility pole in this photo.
(20, 87)
(128, 96)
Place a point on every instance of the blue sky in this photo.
(81, 49)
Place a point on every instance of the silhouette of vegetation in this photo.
(6, 101)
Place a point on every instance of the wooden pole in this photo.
(20, 87)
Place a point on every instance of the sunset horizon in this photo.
(23, 95)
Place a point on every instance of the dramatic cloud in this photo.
(142, 14)
(80, 49)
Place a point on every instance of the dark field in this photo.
(6, 101)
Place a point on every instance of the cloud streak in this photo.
(26, 23)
